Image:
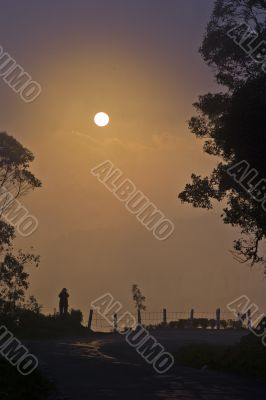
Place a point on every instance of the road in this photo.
(106, 367)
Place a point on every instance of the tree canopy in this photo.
(232, 64)
(16, 178)
(232, 123)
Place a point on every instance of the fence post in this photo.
(139, 317)
(164, 316)
(115, 322)
(90, 319)
(192, 316)
(218, 318)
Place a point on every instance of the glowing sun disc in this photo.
(101, 119)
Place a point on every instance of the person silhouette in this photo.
(63, 302)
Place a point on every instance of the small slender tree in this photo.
(138, 298)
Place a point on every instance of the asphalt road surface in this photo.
(106, 367)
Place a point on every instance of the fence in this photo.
(173, 319)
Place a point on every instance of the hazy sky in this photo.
(138, 61)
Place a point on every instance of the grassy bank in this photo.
(246, 358)
(14, 386)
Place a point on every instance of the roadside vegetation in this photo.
(14, 386)
(246, 358)
(198, 323)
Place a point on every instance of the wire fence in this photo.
(166, 319)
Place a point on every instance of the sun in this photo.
(101, 119)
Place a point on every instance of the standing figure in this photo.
(63, 302)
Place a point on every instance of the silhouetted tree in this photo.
(138, 298)
(232, 125)
(14, 166)
(16, 178)
(231, 64)
(13, 278)
(32, 305)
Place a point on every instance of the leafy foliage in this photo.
(14, 166)
(17, 179)
(231, 64)
(232, 125)
(247, 357)
(138, 298)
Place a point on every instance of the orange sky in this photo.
(145, 73)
